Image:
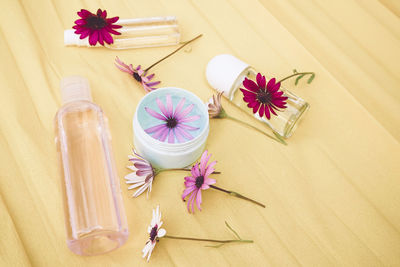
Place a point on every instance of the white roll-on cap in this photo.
(71, 38)
(222, 72)
(75, 88)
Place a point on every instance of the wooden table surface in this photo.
(332, 194)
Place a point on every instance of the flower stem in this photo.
(208, 240)
(181, 169)
(280, 140)
(176, 50)
(235, 194)
(295, 74)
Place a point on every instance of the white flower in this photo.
(142, 175)
(155, 231)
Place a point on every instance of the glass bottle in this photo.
(136, 33)
(226, 73)
(95, 219)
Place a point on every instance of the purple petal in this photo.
(267, 112)
(195, 170)
(190, 119)
(187, 191)
(112, 20)
(271, 84)
(84, 13)
(153, 83)
(162, 107)
(189, 183)
(184, 133)
(208, 181)
(142, 166)
(155, 114)
(184, 112)
(170, 108)
(164, 135)
(198, 199)
(160, 133)
(261, 111)
(80, 22)
(107, 36)
(256, 107)
(272, 110)
(171, 137)
(210, 169)
(179, 107)
(261, 81)
(188, 127)
(250, 85)
(179, 136)
(203, 162)
(155, 128)
(84, 34)
(248, 93)
(143, 172)
(93, 38)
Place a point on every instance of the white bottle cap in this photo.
(75, 88)
(71, 38)
(222, 72)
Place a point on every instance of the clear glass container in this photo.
(287, 120)
(226, 73)
(95, 219)
(137, 33)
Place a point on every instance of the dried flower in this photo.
(215, 109)
(263, 98)
(143, 174)
(97, 26)
(138, 74)
(198, 181)
(173, 121)
(155, 232)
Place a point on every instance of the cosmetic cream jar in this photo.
(170, 127)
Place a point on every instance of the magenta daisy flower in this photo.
(97, 26)
(138, 74)
(173, 122)
(198, 181)
(263, 98)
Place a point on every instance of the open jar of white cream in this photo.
(170, 127)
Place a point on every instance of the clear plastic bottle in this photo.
(136, 33)
(95, 219)
(226, 73)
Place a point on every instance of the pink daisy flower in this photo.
(97, 26)
(173, 121)
(138, 74)
(263, 98)
(198, 181)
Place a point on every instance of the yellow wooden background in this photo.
(333, 193)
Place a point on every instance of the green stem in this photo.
(176, 50)
(255, 128)
(235, 194)
(208, 240)
(295, 74)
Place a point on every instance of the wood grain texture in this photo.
(333, 193)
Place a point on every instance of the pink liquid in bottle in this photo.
(95, 219)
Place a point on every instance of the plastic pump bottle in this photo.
(95, 219)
